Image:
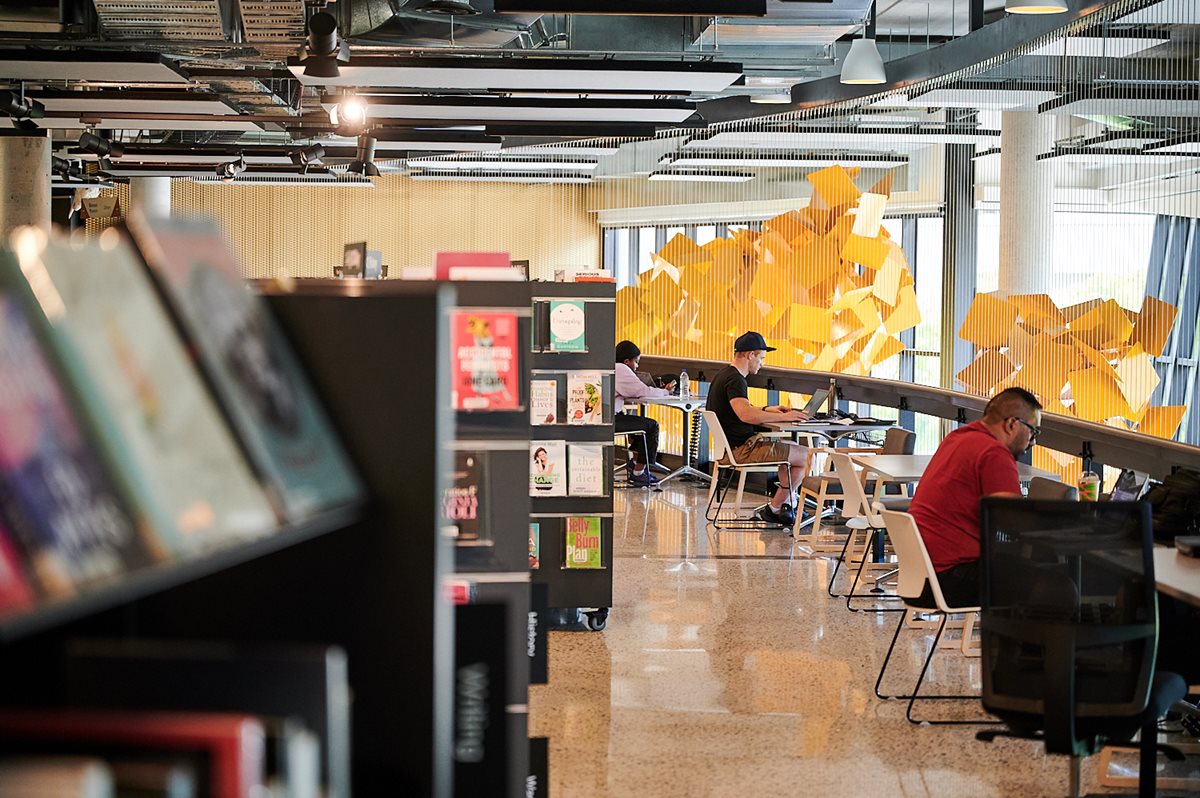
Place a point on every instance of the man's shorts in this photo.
(762, 450)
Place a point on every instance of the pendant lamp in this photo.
(863, 64)
(1035, 6)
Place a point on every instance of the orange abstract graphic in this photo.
(825, 285)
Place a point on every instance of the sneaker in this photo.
(644, 479)
(785, 517)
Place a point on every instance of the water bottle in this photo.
(685, 385)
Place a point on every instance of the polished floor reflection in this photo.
(726, 670)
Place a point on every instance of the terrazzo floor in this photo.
(727, 670)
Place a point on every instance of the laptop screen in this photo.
(818, 398)
(1130, 485)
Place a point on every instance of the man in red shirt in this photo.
(974, 461)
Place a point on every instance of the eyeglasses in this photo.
(1033, 431)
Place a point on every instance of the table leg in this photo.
(687, 469)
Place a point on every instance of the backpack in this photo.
(1175, 505)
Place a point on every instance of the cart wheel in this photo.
(596, 621)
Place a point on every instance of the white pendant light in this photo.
(1035, 6)
(863, 64)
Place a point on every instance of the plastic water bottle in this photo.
(685, 385)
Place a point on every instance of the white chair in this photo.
(916, 570)
(723, 458)
(629, 442)
(860, 518)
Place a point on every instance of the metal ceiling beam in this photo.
(988, 42)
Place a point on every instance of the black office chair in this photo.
(1069, 628)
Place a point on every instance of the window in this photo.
(645, 248)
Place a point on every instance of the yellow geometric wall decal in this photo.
(1093, 360)
(826, 295)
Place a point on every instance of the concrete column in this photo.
(1026, 203)
(151, 196)
(24, 182)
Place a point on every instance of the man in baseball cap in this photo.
(727, 397)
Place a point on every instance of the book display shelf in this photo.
(321, 643)
(486, 511)
(571, 451)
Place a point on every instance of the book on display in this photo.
(73, 524)
(583, 542)
(484, 361)
(586, 469)
(543, 402)
(585, 397)
(567, 326)
(255, 374)
(463, 498)
(16, 594)
(535, 545)
(134, 376)
(548, 468)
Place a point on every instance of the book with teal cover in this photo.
(567, 326)
(582, 547)
(71, 518)
(257, 378)
(149, 404)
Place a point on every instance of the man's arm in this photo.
(750, 414)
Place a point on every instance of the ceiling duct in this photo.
(169, 19)
(428, 23)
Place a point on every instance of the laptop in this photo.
(1129, 486)
(815, 403)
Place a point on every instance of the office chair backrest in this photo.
(1069, 616)
(1042, 488)
(899, 440)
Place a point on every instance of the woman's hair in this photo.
(537, 451)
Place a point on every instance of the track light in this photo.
(1035, 6)
(20, 107)
(324, 49)
(231, 169)
(863, 64)
(364, 160)
(307, 156)
(349, 116)
(98, 145)
(67, 168)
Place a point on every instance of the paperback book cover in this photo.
(548, 468)
(147, 400)
(462, 499)
(15, 591)
(75, 528)
(582, 549)
(484, 361)
(567, 333)
(254, 372)
(586, 469)
(543, 402)
(585, 397)
(535, 545)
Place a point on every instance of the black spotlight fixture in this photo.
(451, 8)
(364, 160)
(69, 169)
(18, 106)
(324, 48)
(231, 169)
(307, 156)
(98, 145)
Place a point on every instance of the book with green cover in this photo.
(567, 327)
(582, 547)
(150, 407)
(253, 370)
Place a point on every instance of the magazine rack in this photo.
(587, 589)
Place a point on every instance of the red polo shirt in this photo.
(969, 465)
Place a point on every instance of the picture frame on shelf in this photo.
(354, 260)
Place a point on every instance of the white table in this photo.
(1177, 575)
(687, 406)
(911, 467)
(826, 429)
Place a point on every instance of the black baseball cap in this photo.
(751, 342)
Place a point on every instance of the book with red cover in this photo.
(15, 592)
(235, 744)
(445, 261)
(484, 361)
